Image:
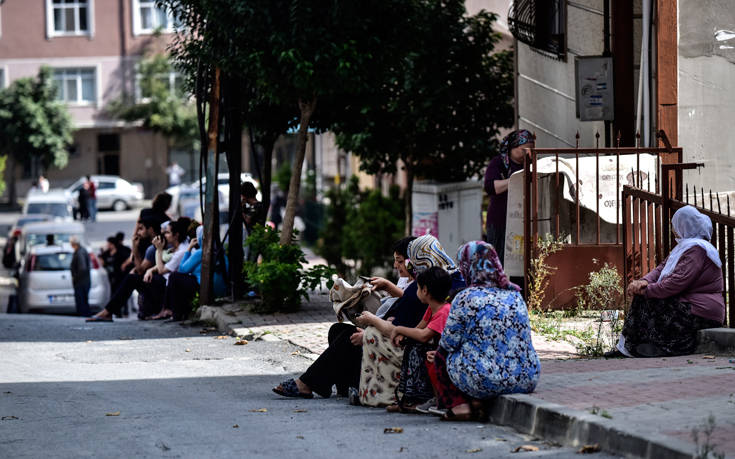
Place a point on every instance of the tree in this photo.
(441, 111)
(33, 125)
(159, 106)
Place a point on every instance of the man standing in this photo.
(175, 172)
(80, 278)
(92, 199)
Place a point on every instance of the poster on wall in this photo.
(425, 223)
(594, 88)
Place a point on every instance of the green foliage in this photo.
(280, 276)
(283, 176)
(447, 99)
(33, 123)
(361, 226)
(705, 447)
(161, 108)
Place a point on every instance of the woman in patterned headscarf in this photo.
(381, 359)
(497, 178)
(485, 349)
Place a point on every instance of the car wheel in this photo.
(119, 206)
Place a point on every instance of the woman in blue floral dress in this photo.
(485, 349)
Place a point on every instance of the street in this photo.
(146, 389)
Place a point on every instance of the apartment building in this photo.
(93, 47)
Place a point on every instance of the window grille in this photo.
(540, 24)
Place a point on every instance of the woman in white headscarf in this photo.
(679, 297)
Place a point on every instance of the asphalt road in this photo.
(151, 389)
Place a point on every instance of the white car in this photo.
(187, 193)
(34, 234)
(55, 203)
(44, 281)
(112, 192)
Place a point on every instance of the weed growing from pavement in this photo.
(597, 411)
(706, 449)
(541, 272)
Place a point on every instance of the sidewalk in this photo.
(636, 407)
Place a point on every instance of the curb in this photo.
(575, 428)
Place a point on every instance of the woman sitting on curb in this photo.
(381, 359)
(339, 364)
(415, 385)
(485, 349)
(679, 297)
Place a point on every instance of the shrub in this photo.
(280, 276)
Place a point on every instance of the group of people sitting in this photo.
(163, 266)
(455, 337)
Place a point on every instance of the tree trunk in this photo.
(307, 109)
(211, 201)
(408, 200)
(233, 130)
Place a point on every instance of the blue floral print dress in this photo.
(487, 337)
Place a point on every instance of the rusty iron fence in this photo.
(584, 249)
(647, 236)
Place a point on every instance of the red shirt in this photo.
(92, 190)
(437, 321)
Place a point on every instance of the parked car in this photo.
(10, 253)
(54, 202)
(112, 192)
(44, 280)
(184, 195)
(34, 234)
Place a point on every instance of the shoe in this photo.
(290, 389)
(353, 396)
(426, 406)
(464, 417)
(394, 408)
(98, 319)
(648, 350)
(437, 411)
(614, 354)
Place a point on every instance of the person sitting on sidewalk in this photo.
(173, 236)
(381, 359)
(414, 387)
(680, 296)
(339, 364)
(395, 291)
(485, 349)
(183, 284)
(148, 229)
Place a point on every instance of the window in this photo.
(76, 86)
(171, 81)
(68, 17)
(106, 186)
(147, 17)
(540, 24)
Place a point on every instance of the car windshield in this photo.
(56, 209)
(51, 262)
(24, 221)
(40, 239)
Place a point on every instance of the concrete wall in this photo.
(546, 104)
(707, 91)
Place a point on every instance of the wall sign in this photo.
(594, 88)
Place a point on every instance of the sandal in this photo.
(290, 389)
(98, 319)
(463, 417)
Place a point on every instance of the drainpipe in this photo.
(644, 97)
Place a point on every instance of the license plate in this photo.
(60, 298)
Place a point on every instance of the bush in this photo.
(361, 226)
(280, 277)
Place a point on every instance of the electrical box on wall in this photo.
(595, 99)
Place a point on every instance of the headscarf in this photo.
(426, 251)
(480, 266)
(693, 229)
(513, 140)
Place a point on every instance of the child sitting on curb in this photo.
(415, 386)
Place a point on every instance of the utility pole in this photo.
(211, 195)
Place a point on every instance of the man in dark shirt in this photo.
(80, 278)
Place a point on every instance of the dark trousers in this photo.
(495, 236)
(152, 294)
(81, 297)
(180, 292)
(338, 365)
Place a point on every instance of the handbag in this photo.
(351, 300)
